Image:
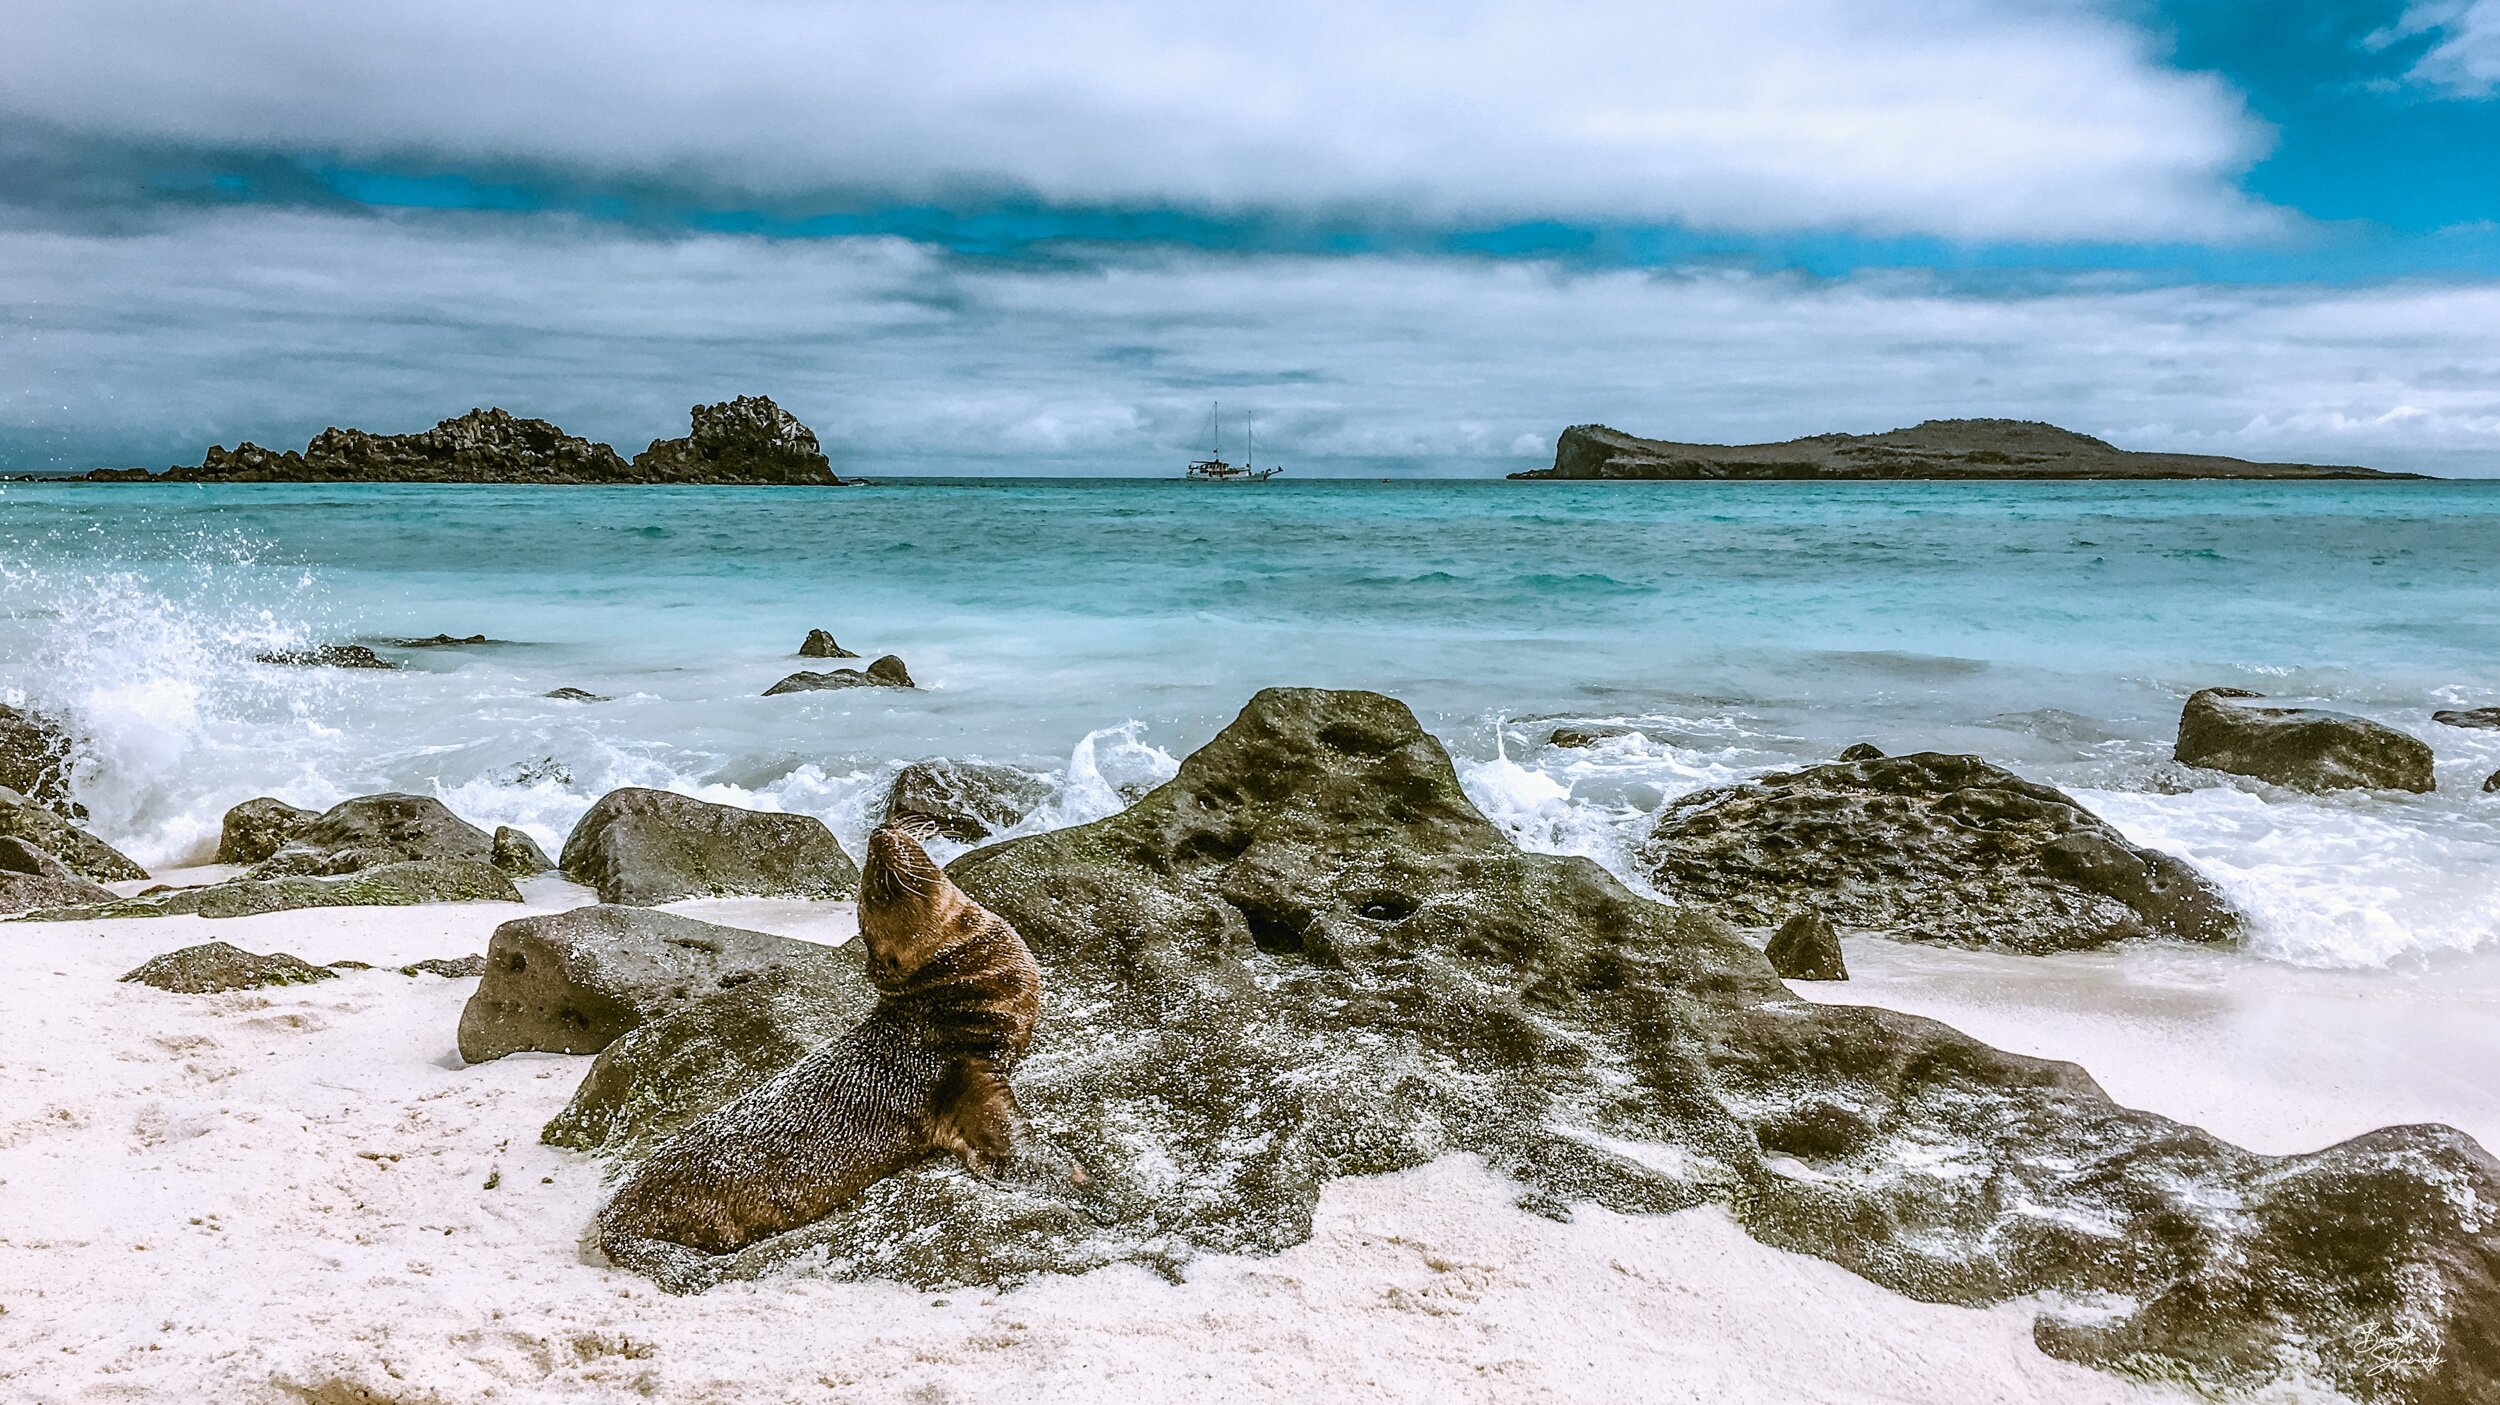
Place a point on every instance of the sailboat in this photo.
(1214, 469)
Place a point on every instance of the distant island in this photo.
(1995, 449)
(748, 440)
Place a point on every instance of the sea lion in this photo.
(926, 1072)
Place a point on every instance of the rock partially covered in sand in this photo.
(643, 847)
(571, 982)
(706, 1050)
(963, 800)
(327, 656)
(258, 828)
(86, 855)
(746, 440)
(35, 757)
(2305, 748)
(390, 885)
(372, 830)
(1307, 956)
(1806, 948)
(214, 966)
(518, 854)
(886, 672)
(1930, 847)
(449, 967)
(32, 878)
(2483, 718)
(819, 644)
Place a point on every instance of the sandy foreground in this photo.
(302, 1194)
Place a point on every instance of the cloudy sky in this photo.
(1415, 236)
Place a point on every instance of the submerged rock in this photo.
(33, 878)
(518, 854)
(2305, 748)
(1585, 734)
(746, 440)
(373, 830)
(390, 885)
(1930, 847)
(36, 753)
(1806, 948)
(707, 1049)
(1307, 956)
(578, 695)
(643, 847)
(441, 641)
(886, 672)
(963, 800)
(2484, 718)
(327, 656)
(572, 982)
(257, 828)
(214, 966)
(819, 645)
(42, 827)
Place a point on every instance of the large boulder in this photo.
(963, 800)
(257, 828)
(572, 982)
(1930, 847)
(2305, 748)
(42, 827)
(746, 440)
(215, 966)
(390, 885)
(654, 846)
(372, 830)
(32, 878)
(705, 1050)
(1307, 956)
(887, 672)
(36, 754)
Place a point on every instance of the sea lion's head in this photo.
(908, 907)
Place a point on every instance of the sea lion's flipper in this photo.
(973, 1114)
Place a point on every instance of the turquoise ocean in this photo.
(1094, 631)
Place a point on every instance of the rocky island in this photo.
(1933, 449)
(748, 440)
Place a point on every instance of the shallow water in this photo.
(1098, 630)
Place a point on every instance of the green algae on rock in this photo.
(216, 966)
(390, 885)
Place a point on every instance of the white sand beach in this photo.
(302, 1194)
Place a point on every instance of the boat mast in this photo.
(1249, 443)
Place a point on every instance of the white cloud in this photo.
(2466, 55)
(1978, 119)
(270, 326)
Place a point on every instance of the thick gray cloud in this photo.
(1970, 119)
(270, 325)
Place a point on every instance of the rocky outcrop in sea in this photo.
(747, 440)
(2305, 748)
(1308, 956)
(1965, 448)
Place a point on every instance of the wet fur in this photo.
(926, 1072)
